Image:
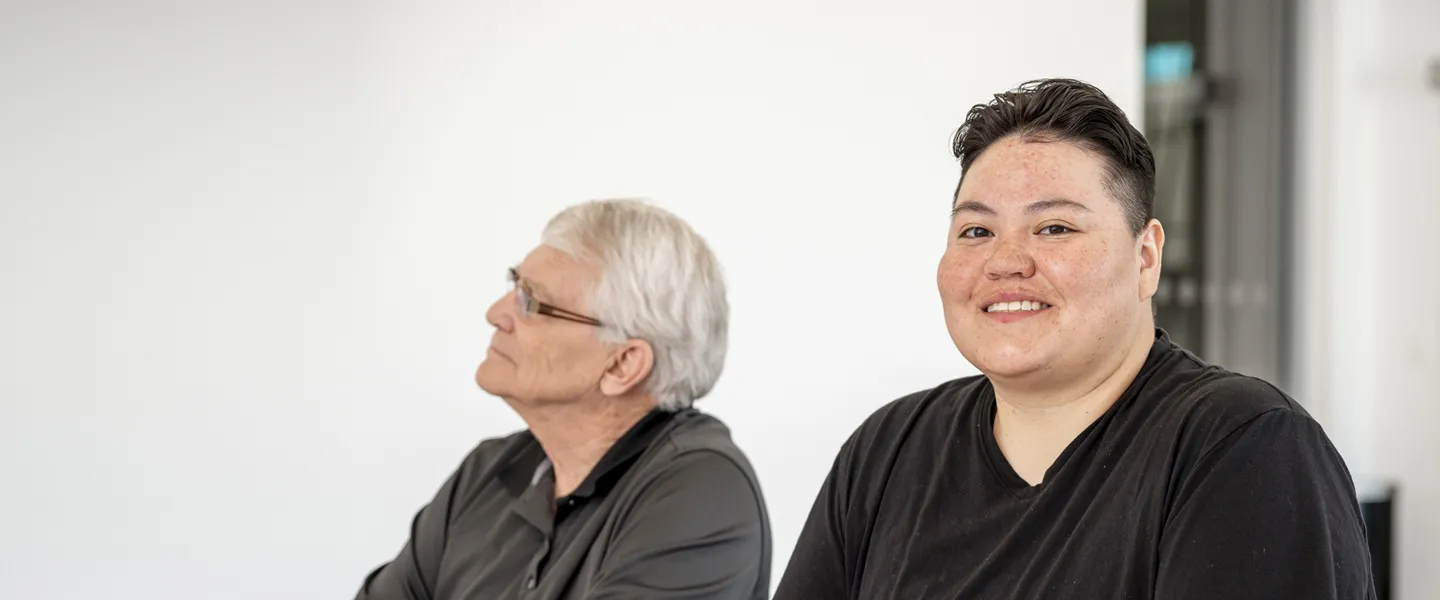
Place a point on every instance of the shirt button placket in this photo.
(532, 580)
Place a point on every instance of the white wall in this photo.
(1369, 185)
(246, 247)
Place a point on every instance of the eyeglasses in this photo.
(527, 304)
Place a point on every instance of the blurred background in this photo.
(246, 248)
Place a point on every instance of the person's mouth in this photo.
(1017, 306)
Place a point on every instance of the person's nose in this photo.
(502, 314)
(1010, 258)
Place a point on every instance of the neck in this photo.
(575, 435)
(1034, 424)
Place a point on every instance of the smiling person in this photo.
(1092, 457)
(614, 325)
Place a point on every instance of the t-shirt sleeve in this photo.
(1268, 511)
(698, 532)
(826, 563)
(817, 568)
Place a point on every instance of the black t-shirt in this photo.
(1197, 483)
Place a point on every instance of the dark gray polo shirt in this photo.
(673, 510)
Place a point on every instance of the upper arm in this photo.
(697, 531)
(412, 573)
(1269, 511)
(817, 567)
(825, 563)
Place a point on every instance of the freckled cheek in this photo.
(956, 278)
(1061, 271)
(1080, 275)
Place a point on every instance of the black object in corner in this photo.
(1377, 507)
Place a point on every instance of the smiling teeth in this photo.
(1021, 305)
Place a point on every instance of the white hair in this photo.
(658, 282)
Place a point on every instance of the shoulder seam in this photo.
(1220, 442)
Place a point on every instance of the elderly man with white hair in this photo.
(614, 325)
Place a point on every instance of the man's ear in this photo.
(630, 364)
(1151, 249)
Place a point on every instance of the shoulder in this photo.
(1206, 403)
(687, 515)
(504, 457)
(691, 430)
(931, 406)
(871, 451)
(497, 449)
(695, 476)
(1242, 435)
(697, 446)
(1205, 407)
(1227, 408)
(1229, 400)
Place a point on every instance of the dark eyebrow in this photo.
(1034, 207)
(972, 206)
(1053, 203)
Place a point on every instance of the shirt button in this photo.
(530, 583)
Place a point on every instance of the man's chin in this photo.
(489, 381)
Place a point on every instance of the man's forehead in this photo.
(550, 272)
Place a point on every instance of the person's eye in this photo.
(1055, 230)
(975, 232)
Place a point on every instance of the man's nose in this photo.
(501, 314)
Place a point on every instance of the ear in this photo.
(629, 366)
(1151, 249)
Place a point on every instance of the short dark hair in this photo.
(1070, 111)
